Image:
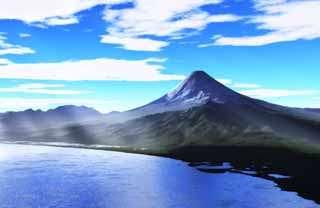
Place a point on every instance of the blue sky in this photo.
(119, 54)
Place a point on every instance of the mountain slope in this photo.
(214, 124)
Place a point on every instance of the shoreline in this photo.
(123, 149)
(196, 153)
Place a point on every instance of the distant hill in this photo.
(13, 124)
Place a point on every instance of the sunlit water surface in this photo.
(43, 177)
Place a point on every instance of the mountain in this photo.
(197, 90)
(13, 124)
(199, 112)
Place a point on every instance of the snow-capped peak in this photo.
(198, 89)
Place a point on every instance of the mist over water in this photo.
(36, 176)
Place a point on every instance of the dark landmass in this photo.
(297, 172)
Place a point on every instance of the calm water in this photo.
(41, 177)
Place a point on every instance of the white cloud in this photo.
(39, 86)
(56, 21)
(272, 93)
(61, 20)
(41, 89)
(285, 20)
(161, 18)
(54, 12)
(229, 82)
(261, 3)
(8, 48)
(17, 50)
(224, 81)
(24, 35)
(4, 61)
(256, 90)
(135, 44)
(242, 85)
(18, 104)
(96, 69)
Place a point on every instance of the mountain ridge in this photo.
(18, 123)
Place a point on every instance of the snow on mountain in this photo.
(198, 89)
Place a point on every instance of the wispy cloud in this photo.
(224, 81)
(57, 12)
(24, 35)
(4, 61)
(69, 20)
(128, 27)
(39, 88)
(242, 85)
(258, 91)
(159, 18)
(17, 50)
(17, 104)
(230, 83)
(285, 20)
(8, 48)
(272, 93)
(95, 69)
(135, 44)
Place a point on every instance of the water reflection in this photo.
(76, 178)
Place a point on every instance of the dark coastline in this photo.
(303, 169)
